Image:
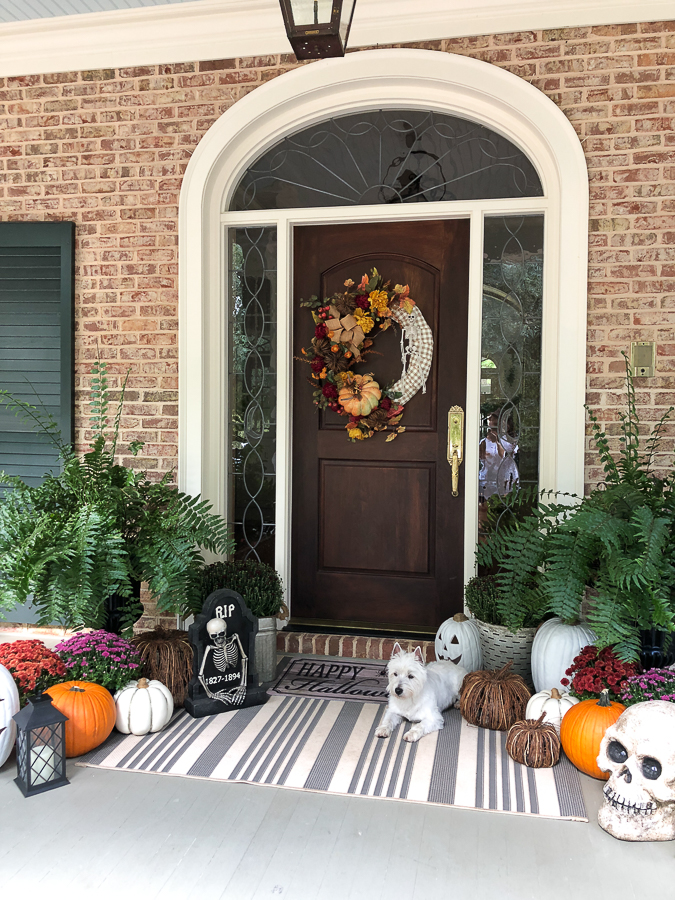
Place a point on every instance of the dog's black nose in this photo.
(398, 691)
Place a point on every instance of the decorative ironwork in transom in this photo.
(387, 156)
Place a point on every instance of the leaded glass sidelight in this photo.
(252, 386)
(511, 360)
(387, 156)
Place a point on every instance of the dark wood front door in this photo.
(377, 537)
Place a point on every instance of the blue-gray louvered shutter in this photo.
(36, 339)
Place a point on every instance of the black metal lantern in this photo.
(40, 746)
(318, 28)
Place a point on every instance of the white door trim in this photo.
(453, 85)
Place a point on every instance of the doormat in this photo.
(316, 744)
(333, 679)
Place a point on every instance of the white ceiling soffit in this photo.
(222, 29)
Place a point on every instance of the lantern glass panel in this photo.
(345, 19)
(311, 12)
(46, 754)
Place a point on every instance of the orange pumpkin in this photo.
(361, 396)
(583, 727)
(91, 714)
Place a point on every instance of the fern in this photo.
(98, 528)
(619, 542)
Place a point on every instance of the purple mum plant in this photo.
(654, 684)
(102, 657)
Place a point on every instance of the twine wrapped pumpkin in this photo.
(533, 743)
(494, 699)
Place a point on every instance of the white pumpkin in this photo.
(554, 647)
(458, 640)
(143, 706)
(9, 706)
(553, 704)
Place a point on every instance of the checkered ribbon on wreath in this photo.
(417, 351)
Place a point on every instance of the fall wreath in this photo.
(345, 327)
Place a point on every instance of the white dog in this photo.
(419, 693)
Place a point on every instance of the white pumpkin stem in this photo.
(143, 683)
(555, 694)
(460, 617)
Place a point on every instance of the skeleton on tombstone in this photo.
(224, 668)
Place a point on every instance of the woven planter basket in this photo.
(499, 645)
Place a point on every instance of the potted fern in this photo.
(83, 540)
(613, 549)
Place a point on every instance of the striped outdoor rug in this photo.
(330, 745)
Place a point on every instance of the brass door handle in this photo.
(455, 444)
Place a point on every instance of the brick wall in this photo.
(108, 148)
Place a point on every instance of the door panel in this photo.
(377, 500)
(377, 536)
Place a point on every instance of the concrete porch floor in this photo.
(140, 837)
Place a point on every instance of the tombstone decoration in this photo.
(224, 675)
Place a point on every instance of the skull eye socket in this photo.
(617, 752)
(651, 768)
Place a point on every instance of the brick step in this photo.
(349, 645)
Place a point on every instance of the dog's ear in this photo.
(397, 651)
(419, 656)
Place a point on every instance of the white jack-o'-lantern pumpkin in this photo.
(458, 640)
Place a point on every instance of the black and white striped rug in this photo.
(330, 745)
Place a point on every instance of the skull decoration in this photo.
(217, 631)
(639, 753)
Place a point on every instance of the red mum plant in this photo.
(33, 667)
(593, 671)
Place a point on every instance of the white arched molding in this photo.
(380, 79)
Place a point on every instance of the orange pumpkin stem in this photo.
(604, 698)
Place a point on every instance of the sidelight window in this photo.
(511, 360)
(252, 382)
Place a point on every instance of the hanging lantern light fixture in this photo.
(318, 28)
(40, 746)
